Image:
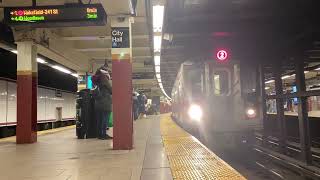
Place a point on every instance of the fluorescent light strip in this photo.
(157, 60)
(75, 75)
(157, 43)
(157, 69)
(14, 51)
(285, 77)
(59, 68)
(158, 13)
(42, 61)
(270, 81)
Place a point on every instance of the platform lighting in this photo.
(157, 69)
(59, 68)
(270, 81)
(157, 60)
(158, 76)
(157, 43)
(75, 75)
(158, 13)
(42, 61)
(266, 88)
(285, 77)
(14, 51)
(306, 72)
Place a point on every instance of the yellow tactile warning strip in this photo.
(189, 159)
(40, 133)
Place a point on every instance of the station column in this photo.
(27, 81)
(122, 83)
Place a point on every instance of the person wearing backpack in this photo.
(103, 102)
(142, 98)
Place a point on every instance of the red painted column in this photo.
(122, 84)
(27, 83)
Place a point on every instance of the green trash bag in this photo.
(110, 120)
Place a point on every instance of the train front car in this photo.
(188, 97)
(209, 102)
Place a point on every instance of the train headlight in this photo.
(251, 113)
(195, 112)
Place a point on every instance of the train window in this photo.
(221, 82)
(195, 81)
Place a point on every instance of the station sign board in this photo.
(56, 16)
(120, 37)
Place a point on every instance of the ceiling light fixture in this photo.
(59, 68)
(270, 81)
(75, 75)
(157, 43)
(157, 60)
(158, 13)
(42, 61)
(14, 51)
(285, 77)
(157, 69)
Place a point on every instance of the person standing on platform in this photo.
(103, 101)
(135, 106)
(142, 98)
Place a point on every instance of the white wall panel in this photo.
(50, 105)
(3, 102)
(47, 104)
(65, 108)
(41, 100)
(70, 105)
(12, 103)
(73, 98)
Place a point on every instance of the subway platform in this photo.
(162, 151)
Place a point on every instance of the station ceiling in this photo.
(252, 30)
(84, 49)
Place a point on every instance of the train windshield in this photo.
(195, 81)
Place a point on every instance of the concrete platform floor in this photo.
(60, 156)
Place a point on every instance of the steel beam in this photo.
(304, 132)
(280, 109)
(261, 93)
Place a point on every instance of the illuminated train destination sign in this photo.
(56, 16)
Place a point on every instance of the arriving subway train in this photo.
(208, 100)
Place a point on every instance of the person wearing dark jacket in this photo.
(135, 106)
(103, 102)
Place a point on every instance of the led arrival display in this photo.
(44, 16)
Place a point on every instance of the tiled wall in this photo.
(47, 104)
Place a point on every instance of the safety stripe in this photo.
(189, 158)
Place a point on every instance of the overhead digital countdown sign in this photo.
(56, 16)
